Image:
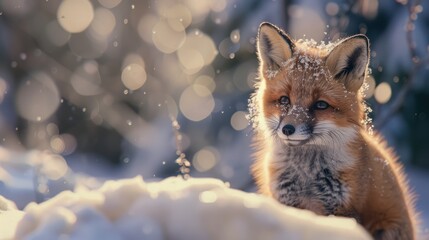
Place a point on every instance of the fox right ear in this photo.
(348, 61)
(274, 47)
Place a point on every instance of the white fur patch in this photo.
(335, 139)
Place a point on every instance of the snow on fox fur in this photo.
(172, 209)
(314, 150)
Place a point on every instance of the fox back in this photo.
(313, 149)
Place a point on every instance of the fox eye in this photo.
(284, 100)
(321, 105)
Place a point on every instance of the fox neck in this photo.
(307, 155)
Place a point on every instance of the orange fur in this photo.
(375, 188)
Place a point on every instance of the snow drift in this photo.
(170, 209)
(33, 176)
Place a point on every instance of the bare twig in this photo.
(413, 9)
(181, 159)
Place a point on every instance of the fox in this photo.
(313, 145)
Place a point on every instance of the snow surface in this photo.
(170, 209)
(33, 176)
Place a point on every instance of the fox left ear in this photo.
(348, 61)
(274, 47)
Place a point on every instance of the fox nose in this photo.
(288, 129)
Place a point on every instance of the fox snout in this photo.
(294, 133)
(288, 129)
(295, 125)
(302, 129)
(293, 130)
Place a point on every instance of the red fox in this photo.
(313, 147)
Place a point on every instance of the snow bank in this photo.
(33, 176)
(173, 209)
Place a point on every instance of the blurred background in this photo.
(99, 81)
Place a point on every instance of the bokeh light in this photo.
(75, 15)
(228, 48)
(109, 3)
(103, 24)
(206, 81)
(37, 97)
(56, 34)
(306, 22)
(332, 8)
(83, 45)
(218, 5)
(196, 102)
(54, 167)
(86, 79)
(63, 144)
(133, 58)
(235, 36)
(133, 76)
(239, 120)
(57, 145)
(205, 159)
(178, 16)
(145, 27)
(383, 92)
(165, 38)
(198, 50)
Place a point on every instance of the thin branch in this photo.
(398, 102)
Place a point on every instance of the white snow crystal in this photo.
(271, 73)
(171, 209)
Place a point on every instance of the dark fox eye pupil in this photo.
(321, 105)
(284, 100)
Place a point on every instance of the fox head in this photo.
(308, 93)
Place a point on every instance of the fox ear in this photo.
(274, 47)
(349, 60)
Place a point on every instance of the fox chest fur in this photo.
(304, 177)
